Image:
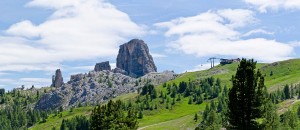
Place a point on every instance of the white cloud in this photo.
(295, 44)
(55, 4)
(37, 82)
(29, 67)
(237, 17)
(5, 80)
(82, 68)
(77, 29)
(27, 82)
(2, 73)
(257, 31)
(24, 28)
(264, 5)
(209, 21)
(215, 33)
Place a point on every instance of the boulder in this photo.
(118, 70)
(102, 66)
(76, 77)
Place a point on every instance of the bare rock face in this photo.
(97, 87)
(53, 100)
(102, 66)
(57, 79)
(118, 70)
(134, 58)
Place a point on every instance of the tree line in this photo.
(248, 105)
(16, 109)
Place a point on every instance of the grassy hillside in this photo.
(284, 72)
(55, 120)
(181, 115)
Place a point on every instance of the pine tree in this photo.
(79, 104)
(291, 92)
(218, 82)
(298, 111)
(153, 93)
(61, 109)
(63, 125)
(190, 100)
(173, 101)
(205, 112)
(212, 105)
(112, 116)
(246, 96)
(289, 120)
(212, 121)
(271, 117)
(167, 106)
(164, 85)
(178, 97)
(182, 87)
(161, 94)
(37, 94)
(287, 92)
(196, 117)
(220, 106)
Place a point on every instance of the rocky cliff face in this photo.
(134, 58)
(102, 66)
(97, 87)
(57, 79)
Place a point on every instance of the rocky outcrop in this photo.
(52, 100)
(97, 87)
(118, 70)
(102, 66)
(57, 79)
(135, 59)
(135, 68)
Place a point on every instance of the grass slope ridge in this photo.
(181, 116)
(276, 74)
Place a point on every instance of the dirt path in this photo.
(144, 127)
(286, 106)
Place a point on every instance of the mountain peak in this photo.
(134, 57)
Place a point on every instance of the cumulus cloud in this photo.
(264, 5)
(2, 73)
(37, 82)
(258, 31)
(76, 30)
(29, 67)
(27, 82)
(216, 33)
(6, 80)
(87, 68)
(295, 44)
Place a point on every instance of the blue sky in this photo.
(39, 36)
